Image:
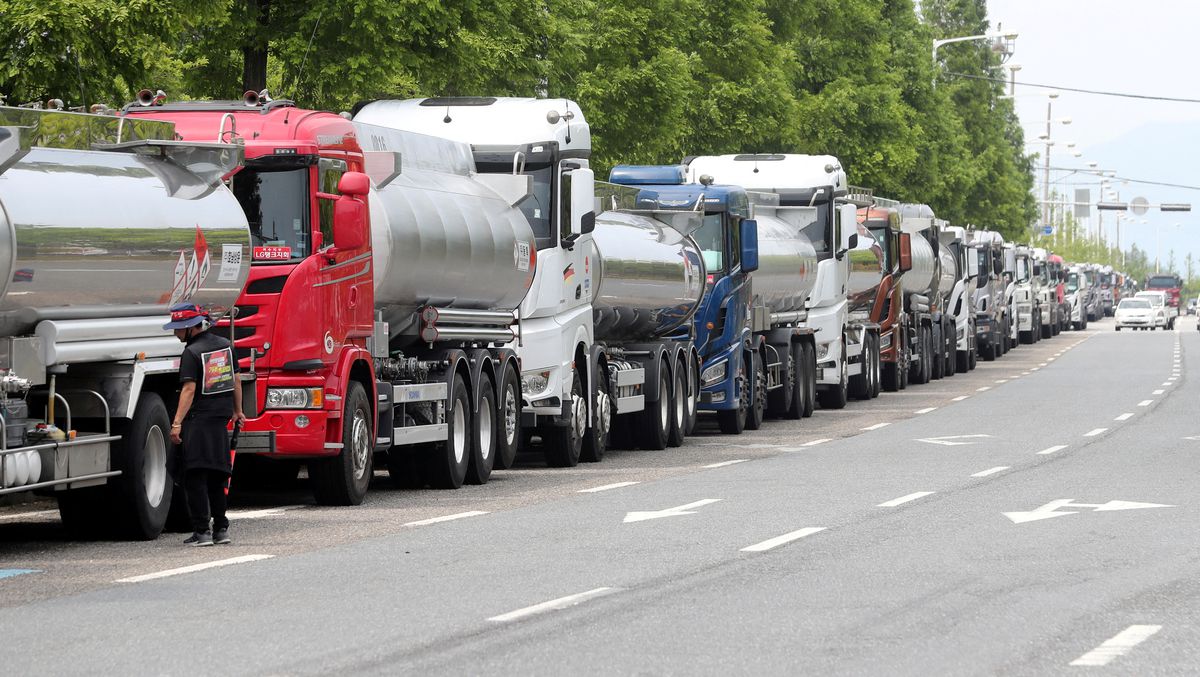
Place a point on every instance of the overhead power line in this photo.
(1097, 92)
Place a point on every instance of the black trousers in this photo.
(206, 497)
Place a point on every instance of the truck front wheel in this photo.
(836, 396)
(563, 445)
(595, 442)
(733, 421)
(758, 403)
(344, 479)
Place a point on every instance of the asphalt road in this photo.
(1035, 516)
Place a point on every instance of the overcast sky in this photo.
(1145, 47)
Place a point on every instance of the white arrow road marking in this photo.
(782, 540)
(553, 605)
(445, 518)
(1116, 647)
(1124, 417)
(193, 568)
(641, 516)
(722, 464)
(991, 471)
(606, 487)
(1050, 509)
(905, 499)
(1094, 431)
(949, 440)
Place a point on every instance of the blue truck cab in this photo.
(727, 240)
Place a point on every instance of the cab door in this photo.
(344, 282)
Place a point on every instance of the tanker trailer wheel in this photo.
(936, 365)
(446, 462)
(343, 479)
(733, 421)
(508, 437)
(679, 397)
(810, 378)
(595, 441)
(654, 432)
(563, 445)
(781, 403)
(758, 405)
(797, 381)
(835, 397)
(483, 433)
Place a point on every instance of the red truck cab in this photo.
(883, 223)
(1170, 283)
(304, 319)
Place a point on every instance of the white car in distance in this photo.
(1158, 309)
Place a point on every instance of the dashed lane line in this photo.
(1124, 417)
(446, 518)
(983, 388)
(1050, 450)
(722, 464)
(877, 426)
(194, 568)
(553, 605)
(960, 398)
(991, 471)
(1145, 403)
(814, 443)
(257, 514)
(771, 543)
(606, 487)
(926, 410)
(1157, 392)
(1118, 646)
(1094, 431)
(904, 499)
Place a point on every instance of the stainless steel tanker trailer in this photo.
(103, 224)
(924, 288)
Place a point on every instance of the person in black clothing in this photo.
(208, 399)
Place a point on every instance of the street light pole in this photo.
(1002, 45)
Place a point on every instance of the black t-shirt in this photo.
(208, 362)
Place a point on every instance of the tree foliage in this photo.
(658, 79)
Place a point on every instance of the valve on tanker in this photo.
(147, 98)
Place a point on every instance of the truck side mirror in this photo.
(749, 233)
(851, 243)
(350, 212)
(905, 252)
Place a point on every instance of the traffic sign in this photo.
(1047, 230)
(1139, 206)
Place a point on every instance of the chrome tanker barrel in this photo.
(925, 276)
(99, 238)
(649, 276)
(868, 267)
(950, 273)
(787, 267)
(444, 239)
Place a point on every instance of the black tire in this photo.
(780, 402)
(1047, 331)
(796, 382)
(654, 432)
(937, 366)
(484, 423)
(951, 349)
(679, 395)
(733, 421)
(599, 430)
(1118, 328)
(508, 429)
(758, 405)
(972, 358)
(835, 397)
(404, 466)
(962, 361)
(891, 377)
(344, 479)
(875, 386)
(447, 460)
(810, 378)
(693, 399)
(563, 445)
(860, 383)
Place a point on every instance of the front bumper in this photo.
(280, 433)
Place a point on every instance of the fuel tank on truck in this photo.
(868, 267)
(924, 276)
(649, 275)
(787, 266)
(443, 236)
(949, 269)
(101, 242)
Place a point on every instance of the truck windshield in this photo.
(1162, 282)
(984, 257)
(276, 202)
(538, 205)
(881, 234)
(1022, 269)
(1073, 282)
(711, 238)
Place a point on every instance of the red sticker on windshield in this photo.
(272, 253)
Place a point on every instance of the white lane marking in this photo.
(553, 605)
(1124, 417)
(1034, 368)
(877, 426)
(1051, 450)
(677, 511)
(926, 410)
(1167, 383)
(193, 568)
(606, 487)
(1094, 431)
(1169, 380)
(1146, 403)
(26, 515)
(446, 518)
(983, 388)
(1160, 391)
(1003, 380)
(991, 471)
(1025, 373)
(722, 464)
(1042, 364)
(1116, 647)
(814, 443)
(960, 398)
(256, 514)
(904, 499)
(782, 540)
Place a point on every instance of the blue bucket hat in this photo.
(184, 315)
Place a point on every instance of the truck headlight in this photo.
(295, 398)
(714, 373)
(822, 351)
(535, 383)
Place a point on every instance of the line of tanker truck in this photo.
(433, 284)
